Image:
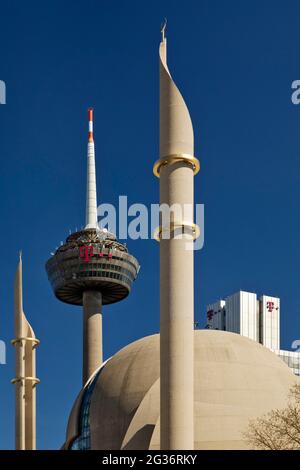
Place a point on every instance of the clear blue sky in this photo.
(234, 63)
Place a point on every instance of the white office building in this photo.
(255, 318)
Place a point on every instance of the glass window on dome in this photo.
(83, 441)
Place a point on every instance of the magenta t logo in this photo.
(86, 253)
(210, 315)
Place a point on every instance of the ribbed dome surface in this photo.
(235, 379)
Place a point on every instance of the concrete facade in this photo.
(92, 333)
(269, 309)
(216, 315)
(240, 314)
(258, 319)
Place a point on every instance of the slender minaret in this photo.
(25, 381)
(91, 269)
(176, 168)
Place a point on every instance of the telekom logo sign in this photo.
(270, 306)
(86, 252)
(210, 314)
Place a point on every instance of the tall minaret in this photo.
(91, 269)
(25, 381)
(176, 169)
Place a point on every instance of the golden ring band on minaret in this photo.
(184, 226)
(20, 379)
(34, 341)
(175, 158)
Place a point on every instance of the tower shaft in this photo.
(92, 333)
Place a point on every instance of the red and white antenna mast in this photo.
(91, 190)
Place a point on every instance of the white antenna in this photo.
(91, 191)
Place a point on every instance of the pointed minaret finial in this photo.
(176, 129)
(163, 29)
(91, 191)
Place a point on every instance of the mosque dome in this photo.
(236, 379)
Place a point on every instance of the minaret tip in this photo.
(163, 29)
(20, 255)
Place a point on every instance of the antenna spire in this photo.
(91, 191)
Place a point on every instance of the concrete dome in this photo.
(235, 379)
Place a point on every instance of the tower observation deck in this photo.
(88, 261)
(92, 268)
